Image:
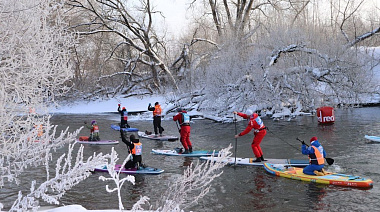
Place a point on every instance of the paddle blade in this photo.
(329, 161)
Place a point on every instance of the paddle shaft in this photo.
(329, 161)
(235, 138)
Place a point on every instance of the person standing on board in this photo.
(124, 117)
(135, 148)
(94, 131)
(316, 157)
(184, 121)
(156, 118)
(260, 131)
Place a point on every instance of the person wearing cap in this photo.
(94, 131)
(156, 118)
(135, 148)
(124, 117)
(316, 157)
(260, 131)
(184, 121)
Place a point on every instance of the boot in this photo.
(318, 173)
(257, 160)
(323, 171)
(262, 158)
(190, 149)
(186, 151)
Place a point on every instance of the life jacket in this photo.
(157, 110)
(256, 122)
(185, 119)
(95, 129)
(317, 158)
(137, 149)
(124, 115)
(40, 131)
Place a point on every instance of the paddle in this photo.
(235, 138)
(329, 161)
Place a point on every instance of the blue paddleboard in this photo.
(117, 127)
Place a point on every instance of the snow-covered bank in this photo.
(132, 104)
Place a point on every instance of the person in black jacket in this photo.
(135, 148)
(124, 117)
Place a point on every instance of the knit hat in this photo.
(313, 139)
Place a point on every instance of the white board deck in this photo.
(249, 161)
(157, 137)
(196, 153)
(105, 142)
(372, 138)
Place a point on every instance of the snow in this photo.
(72, 208)
(132, 104)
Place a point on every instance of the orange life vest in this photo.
(137, 149)
(157, 110)
(319, 159)
(40, 131)
(95, 129)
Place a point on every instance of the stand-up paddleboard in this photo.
(249, 161)
(84, 140)
(141, 170)
(105, 142)
(330, 178)
(157, 137)
(372, 138)
(117, 127)
(178, 152)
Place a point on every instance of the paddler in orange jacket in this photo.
(260, 131)
(156, 117)
(316, 157)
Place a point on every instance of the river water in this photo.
(241, 188)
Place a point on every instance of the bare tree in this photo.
(133, 26)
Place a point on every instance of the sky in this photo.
(175, 14)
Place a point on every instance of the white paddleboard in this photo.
(105, 142)
(157, 137)
(249, 161)
(173, 152)
(372, 138)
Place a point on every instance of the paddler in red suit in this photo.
(260, 131)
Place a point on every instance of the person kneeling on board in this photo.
(135, 148)
(94, 131)
(316, 157)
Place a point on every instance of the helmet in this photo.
(93, 122)
(249, 112)
(156, 103)
(124, 108)
(179, 109)
(313, 139)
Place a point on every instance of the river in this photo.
(241, 188)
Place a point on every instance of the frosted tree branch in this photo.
(193, 185)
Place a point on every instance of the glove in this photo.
(303, 143)
(150, 104)
(85, 122)
(179, 130)
(118, 105)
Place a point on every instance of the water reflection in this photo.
(260, 188)
(316, 193)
